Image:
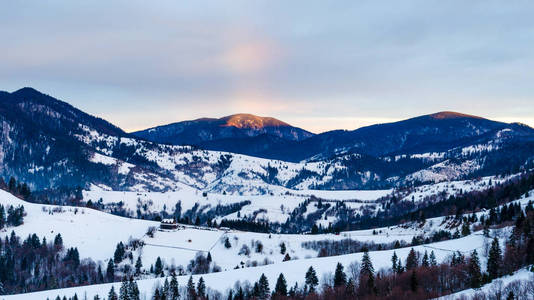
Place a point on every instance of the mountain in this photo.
(236, 126)
(51, 145)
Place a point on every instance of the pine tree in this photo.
(494, 259)
(58, 241)
(165, 289)
(475, 275)
(411, 260)
(282, 247)
(311, 279)
(133, 290)
(173, 293)
(263, 288)
(138, 265)
(425, 262)
(158, 267)
(112, 295)
(110, 271)
(433, 261)
(118, 256)
(367, 272)
(281, 286)
(123, 291)
(340, 279)
(201, 288)
(191, 292)
(394, 259)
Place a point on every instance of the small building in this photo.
(168, 224)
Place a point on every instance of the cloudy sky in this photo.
(319, 65)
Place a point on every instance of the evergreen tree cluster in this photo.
(13, 216)
(35, 264)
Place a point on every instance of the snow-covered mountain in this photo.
(50, 144)
(206, 130)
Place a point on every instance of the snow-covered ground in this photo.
(293, 270)
(498, 285)
(277, 206)
(96, 234)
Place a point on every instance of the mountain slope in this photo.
(50, 144)
(231, 127)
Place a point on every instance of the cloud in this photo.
(299, 59)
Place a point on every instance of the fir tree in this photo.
(475, 275)
(191, 292)
(425, 262)
(133, 290)
(263, 288)
(123, 291)
(173, 293)
(394, 259)
(281, 286)
(138, 265)
(119, 253)
(340, 279)
(311, 279)
(411, 260)
(494, 259)
(158, 267)
(201, 288)
(112, 295)
(367, 272)
(433, 261)
(110, 271)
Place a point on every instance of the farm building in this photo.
(168, 224)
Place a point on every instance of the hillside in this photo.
(50, 144)
(206, 130)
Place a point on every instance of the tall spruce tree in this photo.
(173, 293)
(367, 273)
(263, 288)
(281, 286)
(191, 292)
(425, 262)
(411, 260)
(311, 279)
(494, 259)
(201, 288)
(394, 260)
(475, 275)
(433, 261)
(158, 267)
(110, 271)
(340, 278)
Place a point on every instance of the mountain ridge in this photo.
(50, 144)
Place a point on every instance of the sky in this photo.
(319, 65)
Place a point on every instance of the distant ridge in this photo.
(235, 126)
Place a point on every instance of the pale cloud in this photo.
(320, 64)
